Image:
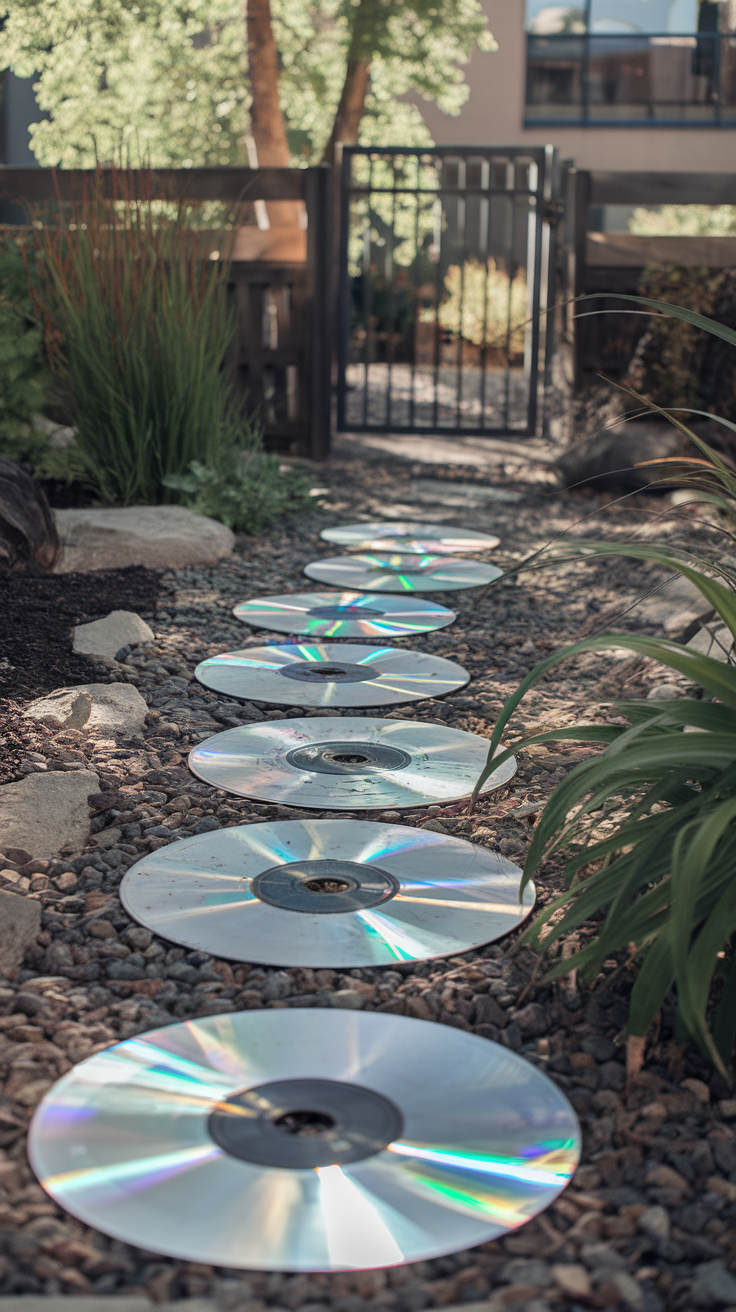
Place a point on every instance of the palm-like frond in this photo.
(663, 884)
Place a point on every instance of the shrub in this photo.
(485, 306)
(138, 327)
(685, 220)
(23, 371)
(677, 362)
(245, 489)
(663, 884)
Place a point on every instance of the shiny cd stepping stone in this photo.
(344, 615)
(386, 572)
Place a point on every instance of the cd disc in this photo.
(355, 764)
(408, 537)
(326, 893)
(305, 1140)
(343, 615)
(398, 573)
(331, 674)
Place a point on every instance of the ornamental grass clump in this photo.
(138, 327)
(660, 889)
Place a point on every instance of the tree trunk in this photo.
(352, 104)
(267, 120)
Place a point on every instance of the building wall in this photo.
(494, 115)
(19, 110)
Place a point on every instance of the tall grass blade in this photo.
(138, 325)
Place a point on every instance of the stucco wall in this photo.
(494, 115)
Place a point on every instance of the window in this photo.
(632, 62)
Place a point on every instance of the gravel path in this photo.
(648, 1222)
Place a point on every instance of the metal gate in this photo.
(444, 270)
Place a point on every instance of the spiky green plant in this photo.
(137, 323)
(663, 884)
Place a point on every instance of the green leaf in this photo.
(651, 987)
(719, 679)
(662, 885)
(724, 1020)
(675, 312)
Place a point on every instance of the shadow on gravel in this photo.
(39, 615)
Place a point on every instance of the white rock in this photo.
(59, 436)
(572, 1279)
(116, 707)
(655, 1222)
(685, 496)
(108, 838)
(630, 1293)
(165, 536)
(350, 999)
(69, 707)
(121, 628)
(673, 607)
(437, 492)
(713, 640)
(47, 814)
(20, 921)
(664, 692)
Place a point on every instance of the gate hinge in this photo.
(553, 211)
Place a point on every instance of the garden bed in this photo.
(39, 613)
(648, 1222)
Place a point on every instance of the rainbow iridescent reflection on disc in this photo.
(402, 535)
(313, 893)
(387, 572)
(344, 615)
(347, 763)
(175, 1140)
(331, 674)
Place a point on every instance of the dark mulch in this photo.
(66, 496)
(39, 614)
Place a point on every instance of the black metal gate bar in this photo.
(444, 278)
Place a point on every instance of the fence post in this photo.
(582, 195)
(317, 194)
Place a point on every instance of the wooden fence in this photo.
(614, 262)
(279, 278)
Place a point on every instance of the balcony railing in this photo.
(632, 81)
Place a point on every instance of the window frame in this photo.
(583, 118)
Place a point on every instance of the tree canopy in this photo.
(165, 81)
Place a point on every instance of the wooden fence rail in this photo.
(225, 184)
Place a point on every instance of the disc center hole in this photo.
(304, 1123)
(328, 671)
(324, 884)
(350, 758)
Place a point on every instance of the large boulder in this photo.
(169, 537)
(607, 461)
(28, 536)
(106, 637)
(47, 814)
